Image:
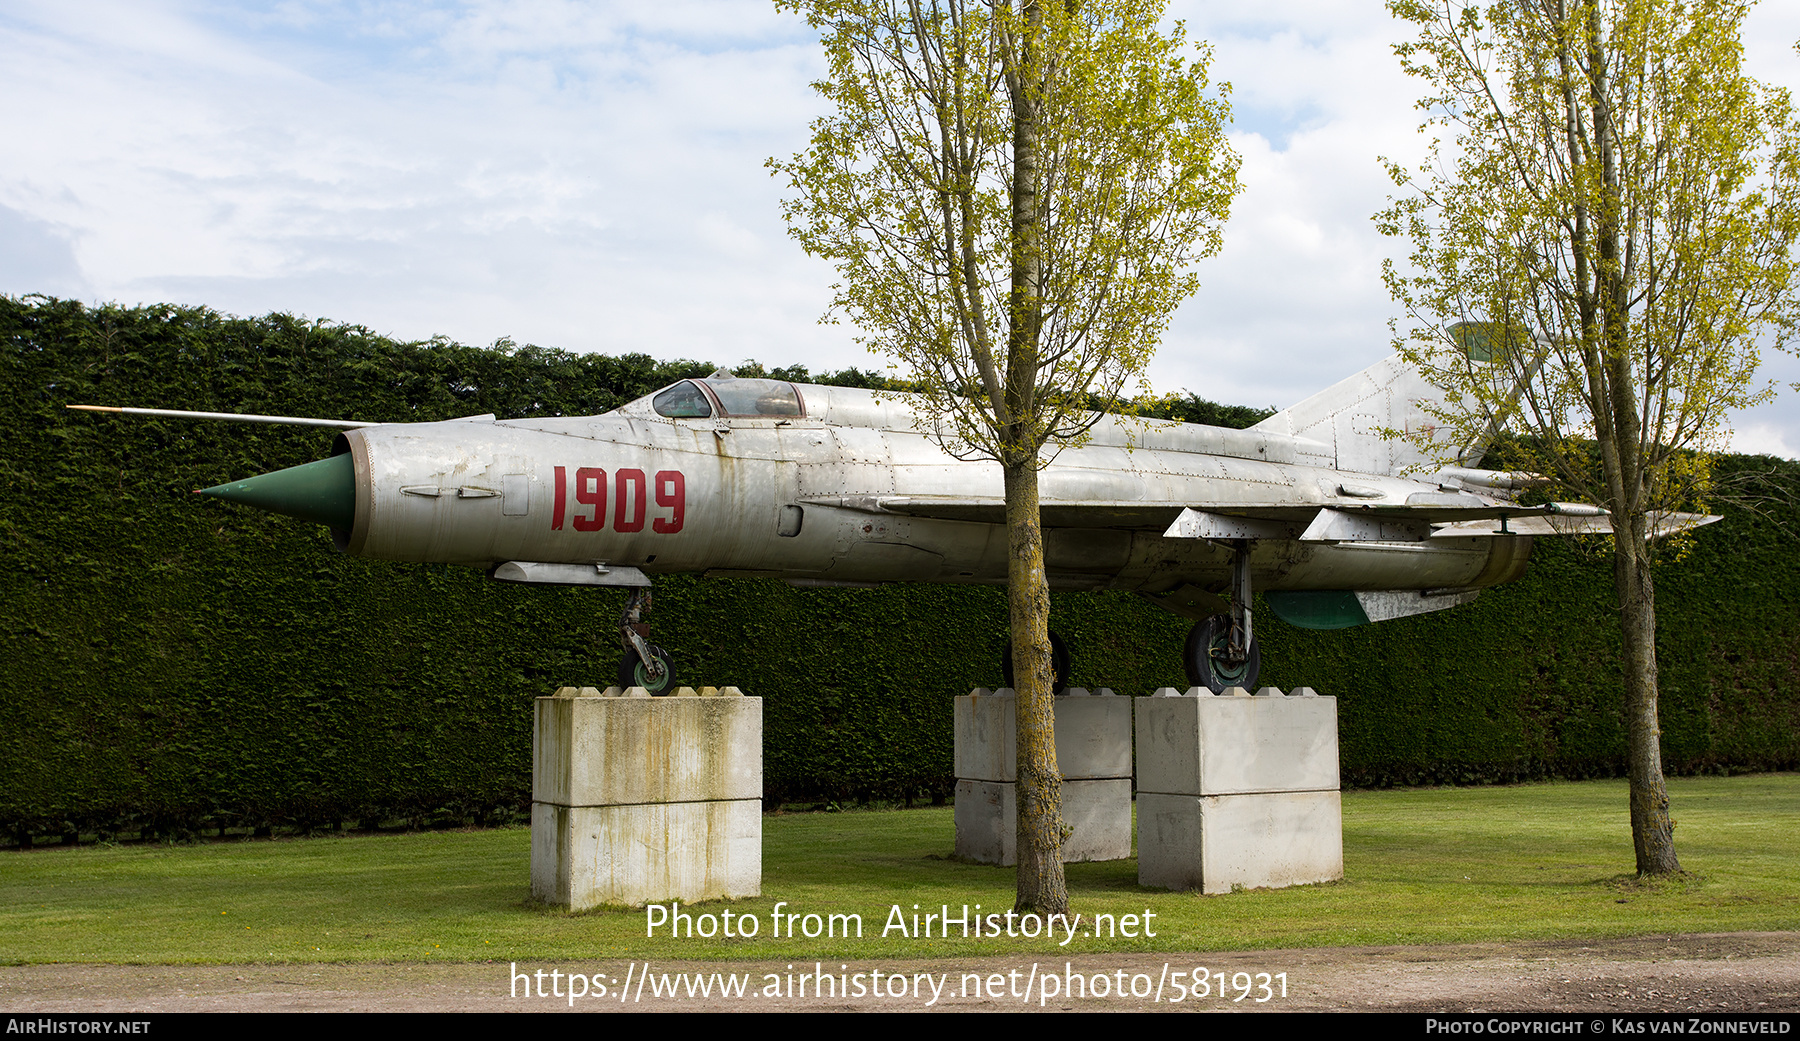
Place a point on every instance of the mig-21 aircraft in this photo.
(1319, 507)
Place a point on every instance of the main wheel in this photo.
(1059, 663)
(633, 673)
(1207, 666)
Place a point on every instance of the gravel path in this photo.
(1725, 972)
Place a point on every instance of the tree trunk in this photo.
(1624, 449)
(1652, 829)
(1041, 885)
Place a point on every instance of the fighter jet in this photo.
(1319, 506)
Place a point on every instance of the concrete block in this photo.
(637, 799)
(587, 856)
(1264, 840)
(614, 751)
(986, 821)
(1097, 810)
(1093, 735)
(1199, 743)
(984, 732)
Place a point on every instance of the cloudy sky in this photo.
(589, 175)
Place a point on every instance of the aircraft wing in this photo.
(1424, 515)
(1159, 516)
(981, 510)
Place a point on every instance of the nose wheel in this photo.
(645, 664)
(635, 671)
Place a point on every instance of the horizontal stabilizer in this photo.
(1662, 525)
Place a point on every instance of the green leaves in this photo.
(1602, 196)
(1013, 277)
(1620, 190)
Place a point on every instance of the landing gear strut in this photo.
(645, 664)
(1221, 651)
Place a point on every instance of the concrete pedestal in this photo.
(1098, 813)
(1238, 790)
(637, 799)
(1093, 754)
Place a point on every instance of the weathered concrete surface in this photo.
(586, 856)
(1199, 743)
(1098, 812)
(640, 750)
(1093, 735)
(638, 799)
(1263, 840)
(1093, 754)
(1238, 790)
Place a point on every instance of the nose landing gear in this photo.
(645, 664)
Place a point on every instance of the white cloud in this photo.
(1765, 439)
(590, 176)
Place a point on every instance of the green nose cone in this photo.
(323, 492)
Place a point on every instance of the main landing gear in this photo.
(1221, 651)
(645, 664)
(1212, 660)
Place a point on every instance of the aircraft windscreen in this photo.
(684, 400)
(751, 397)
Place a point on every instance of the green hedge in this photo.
(173, 664)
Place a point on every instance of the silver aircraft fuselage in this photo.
(1321, 506)
(849, 490)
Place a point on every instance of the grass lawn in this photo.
(1421, 866)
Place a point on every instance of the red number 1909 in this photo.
(630, 498)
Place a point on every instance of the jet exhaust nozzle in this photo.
(323, 492)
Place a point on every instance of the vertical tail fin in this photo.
(1350, 416)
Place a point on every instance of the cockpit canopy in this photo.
(727, 396)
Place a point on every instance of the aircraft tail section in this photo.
(1346, 422)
